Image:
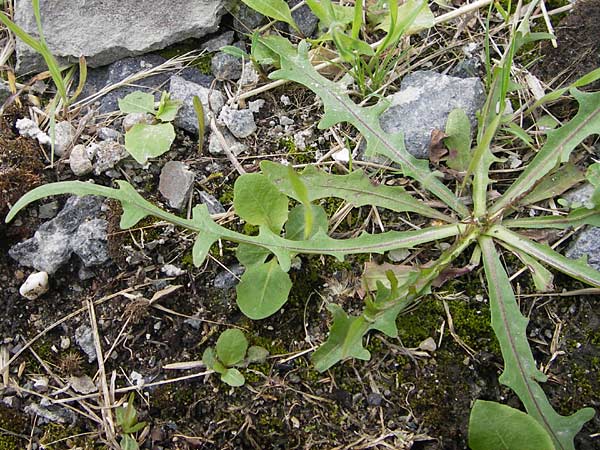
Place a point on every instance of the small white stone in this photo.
(342, 155)
(40, 384)
(65, 342)
(35, 285)
(132, 119)
(428, 345)
(79, 161)
(172, 271)
(64, 134)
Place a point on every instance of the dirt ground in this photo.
(403, 398)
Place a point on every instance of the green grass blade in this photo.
(520, 371)
(572, 267)
(577, 217)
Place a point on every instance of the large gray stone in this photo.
(423, 103)
(76, 228)
(107, 30)
(586, 243)
(175, 183)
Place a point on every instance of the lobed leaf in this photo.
(577, 217)
(295, 66)
(520, 371)
(559, 145)
(554, 184)
(356, 188)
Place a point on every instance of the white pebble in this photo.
(35, 285)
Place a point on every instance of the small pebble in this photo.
(79, 161)
(428, 345)
(35, 285)
(374, 399)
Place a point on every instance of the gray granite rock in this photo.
(109, 134)
(215, 147)
(423, 103)
(212, 101)
(55, 241)
(227, 278)
(226, 67)
(108, 154)
(176, 183)
(84, 337)
(4, 92)
(215, 44)
(586, 243)
(118, 71)
(304, 18)
(247, 20)
(212, 204)
(108, 30)
(239, 121)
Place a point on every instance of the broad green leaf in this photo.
(137, 102)
(307, 211)
(295, 66)
(274, 9)
(233, 377)
(458, 140)
(248, 254)
(167, 108)
(258, 202)
(210, 360)
(520, 371)
(554, 184)
(231, 347)
(257, 355)
(145, 141)
(356, 188)
(557, 149)
(493, 426)
(295, 226)
(263, 290)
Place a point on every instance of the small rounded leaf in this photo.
(258, 202)
(231, 347)
(233, 377)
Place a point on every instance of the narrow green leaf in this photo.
(493, 426)
(356, 188)
(263, 290)
(574, 268)
(275, 9)
(295, 226)
(557, 148)
(202, 246)
(458, 140)
(199, 110)
(542, 277)
(520, 371)
(554, 184)
(295, 66)
(137, 102)
(231, 347)
(258, 202)
(234, 51)
(145, 141)
(519, 133)
(579, 216)
(233, 377)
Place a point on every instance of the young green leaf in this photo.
(248, 254)
(295, 66)
(145, 141)
(520, 371)
(231, 347)
(257, 355)
(258, 202)
(263, 290)
(554, 184)
(458, 140)
(356, 188)
(493, 426)
(167, 108)
(234, 51)
(137, 102)
(275, 9)
(233, 377)
(128, 442)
